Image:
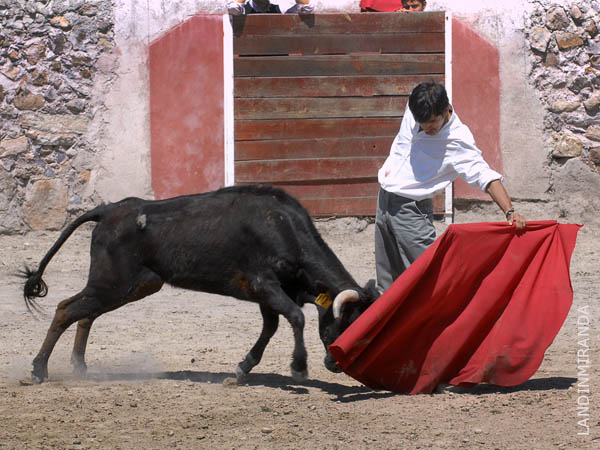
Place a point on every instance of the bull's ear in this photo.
(321, 287)
(371, 291)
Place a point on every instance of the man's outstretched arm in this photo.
(496, 190)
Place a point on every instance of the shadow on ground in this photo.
(341, 392)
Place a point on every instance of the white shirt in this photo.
(419, 164)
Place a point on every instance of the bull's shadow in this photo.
(343, 393)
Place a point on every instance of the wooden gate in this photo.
(319, 99)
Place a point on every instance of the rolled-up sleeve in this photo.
(469, 164)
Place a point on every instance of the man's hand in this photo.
(517, 219)
(499, 195)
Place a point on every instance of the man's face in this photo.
(413, 5)
(262, 4)
(435, 123)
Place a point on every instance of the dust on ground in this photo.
(158, 370)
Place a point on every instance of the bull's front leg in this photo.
(275, 300)
(299, 364)
(270, 324)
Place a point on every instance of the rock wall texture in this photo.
(564, 43)
(50, 55)
(73, 84)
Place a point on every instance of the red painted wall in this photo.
(186, 108)
(476, 97)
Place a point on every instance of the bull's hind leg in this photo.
(146, 283)
(270, 324)
(78, 355)
(85, 307)
(68, 311)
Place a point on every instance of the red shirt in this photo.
(380, 5)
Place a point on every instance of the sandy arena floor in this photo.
(157, 370)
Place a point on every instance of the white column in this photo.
(229, 156)
(449, 209)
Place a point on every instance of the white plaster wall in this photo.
(524, 156)
(125, 164)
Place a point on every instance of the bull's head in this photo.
(346, 307)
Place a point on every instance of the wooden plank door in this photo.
(319, 99)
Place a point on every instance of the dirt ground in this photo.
(158, 370)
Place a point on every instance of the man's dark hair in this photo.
(428, 99)
(405, 1)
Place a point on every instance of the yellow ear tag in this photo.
(323, 300)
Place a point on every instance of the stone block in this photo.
(53, 139)
(76, 105)
(551, 60)
(36, 52)
(13, 147)
(567, 147)
(595, 155)
(60, 22)
(567, 41)
(8, 188)
(594, 48)
(593, 133)
(45, 206)
(578, 82)
(564, 106)
(591, 27)
(26, 101)
(540, 37)
(557, 19)
(576, 14)
(58, 124)
(592, 104)
(12, 73)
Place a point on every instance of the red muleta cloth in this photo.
(480, 305)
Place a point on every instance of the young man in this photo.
(392, 5)
(432, 148)
(241, 7)
(414, 5)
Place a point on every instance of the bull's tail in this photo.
(34, 285)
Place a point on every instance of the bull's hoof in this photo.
(35, 379)
(230, 382)
(39, 373)
(80, 371)
(240, 374)
(299, 376)
(79, 367)
(441, 388)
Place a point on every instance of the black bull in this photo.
(252, 243)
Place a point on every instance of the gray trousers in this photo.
(403, 230)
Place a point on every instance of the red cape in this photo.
(482, 304)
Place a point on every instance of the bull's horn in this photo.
(349, 295)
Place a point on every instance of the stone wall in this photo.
(565, 52)
(50, 57)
